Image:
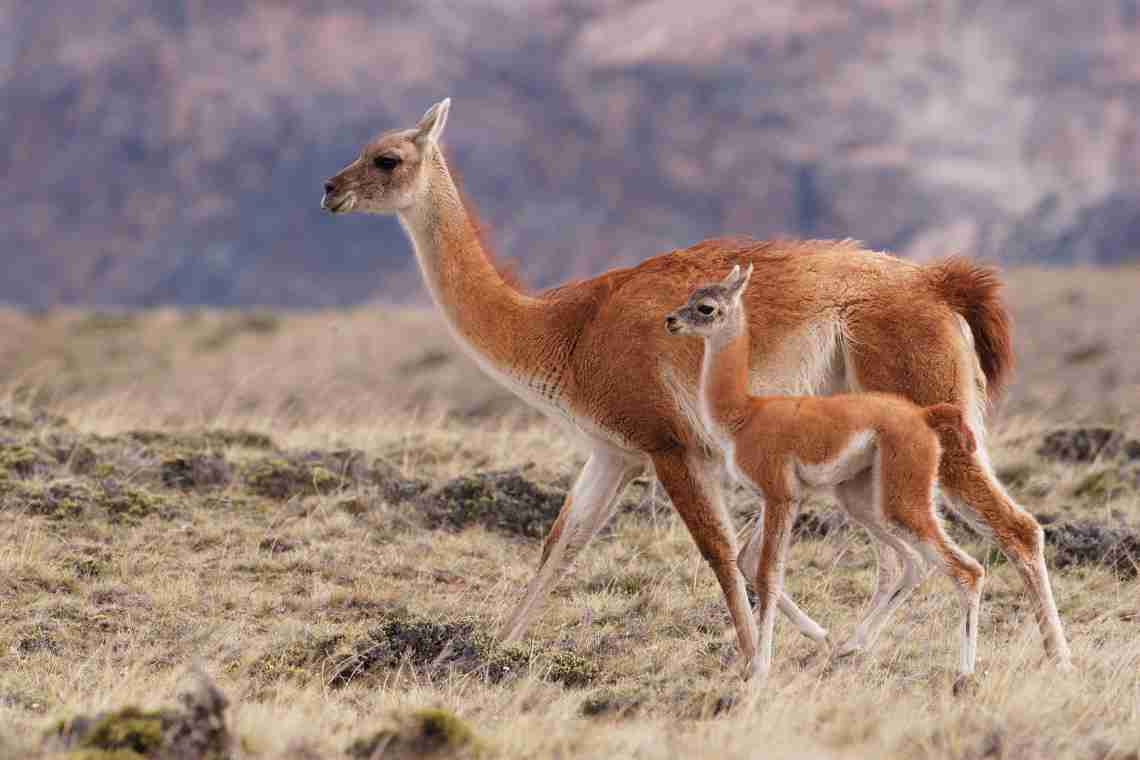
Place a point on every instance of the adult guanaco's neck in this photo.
(724, 374)
(493, 319)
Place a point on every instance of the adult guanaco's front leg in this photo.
(693, 483)
(586, 509)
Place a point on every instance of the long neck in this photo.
(503, 328)
(724, 374)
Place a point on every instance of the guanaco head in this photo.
(389, 172)
(710, 306)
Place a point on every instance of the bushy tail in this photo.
(949, 423)
(972, 290)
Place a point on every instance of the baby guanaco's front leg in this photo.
(768, 580)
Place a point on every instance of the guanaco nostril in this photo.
(670, 321)
(329, 188)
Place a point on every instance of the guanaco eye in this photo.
(706, 309)
(386, 162)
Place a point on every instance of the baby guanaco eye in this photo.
(706, 309)
(386, 162)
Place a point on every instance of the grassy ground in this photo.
(312, 512)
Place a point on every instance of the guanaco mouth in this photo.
(343, 205)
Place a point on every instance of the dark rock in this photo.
(309, 473)
(393, 486)
(436, 647)
(1089, 543)
(81, 460)
(195, 470)
(611, 703)
(503, 501)
(1088, 444)
(275, 545)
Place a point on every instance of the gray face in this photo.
(704, 312)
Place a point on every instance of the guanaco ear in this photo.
(432, 124)
(737, 280)
(745, 277)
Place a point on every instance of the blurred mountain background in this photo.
(172, 151)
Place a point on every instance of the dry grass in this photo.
(273, 596)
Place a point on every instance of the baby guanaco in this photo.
(879, 451)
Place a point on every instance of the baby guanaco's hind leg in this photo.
(749, 562)
(908, 483)
(856, 498)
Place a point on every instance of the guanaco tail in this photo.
(880, 449)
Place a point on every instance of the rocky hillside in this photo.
(173, 150)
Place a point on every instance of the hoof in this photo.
(847, 649)
(755, 676)
(965, 685)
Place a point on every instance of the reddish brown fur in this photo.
(784, 444)
(949, 423)
(594, 351)
(974, 292)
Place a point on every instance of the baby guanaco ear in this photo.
(432, 124)
(745, 277)
(730, 279)
(737, 280)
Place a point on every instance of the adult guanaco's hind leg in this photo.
(882, 361)
(970, 487)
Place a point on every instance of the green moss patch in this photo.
(1107, 484)
(280, 478)
(195, 730)
(503, 501)
(437, 648)
(60, 500)
(23, 461)
(613, 703)
(194, 440)
(195, 470)
(572, 670)
(299, 659)
(430, 732)
(428, 645)
(312, 473)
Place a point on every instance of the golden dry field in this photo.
(325, 517)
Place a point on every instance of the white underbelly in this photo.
(855, 458)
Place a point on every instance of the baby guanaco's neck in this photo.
(724, 375)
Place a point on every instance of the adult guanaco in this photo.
(880, 449)
(825, 316)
